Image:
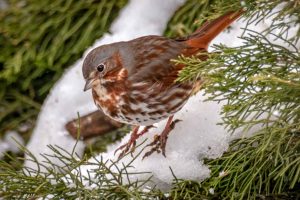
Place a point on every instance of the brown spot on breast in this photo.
(109, 105)
(157, 112)
(176, 95)
(115, 88)
(126, 109)
(176, 106)
(132, 100)
(128, 118)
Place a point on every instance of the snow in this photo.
(11, 142)
(3, 4)
(3, 148)
(195, 137)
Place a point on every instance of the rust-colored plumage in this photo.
(134, 82)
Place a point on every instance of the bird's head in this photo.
(103, 64)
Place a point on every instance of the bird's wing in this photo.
(152, 61)
(152, 54)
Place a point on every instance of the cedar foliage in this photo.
(260, 82)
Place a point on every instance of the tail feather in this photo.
(206, 33)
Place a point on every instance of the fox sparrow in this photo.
(133, 82)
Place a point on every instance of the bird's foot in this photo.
(159, 143)
(130, 145)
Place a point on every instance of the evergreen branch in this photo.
(267, 163)
(104, 180)
(257, 79)
(265, 166)
(195, 12)
(260, 83)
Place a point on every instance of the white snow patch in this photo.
(3, 5)
(14, 140)
(11, 142)
(4, 147)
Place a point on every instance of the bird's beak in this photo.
(88, 84)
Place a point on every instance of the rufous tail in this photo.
(206, 33)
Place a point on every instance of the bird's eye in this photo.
(100, 68)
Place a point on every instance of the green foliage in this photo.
(267, 163)
(260, 81)
(38, 40)
(195, 12)
(251, 77)
(105, 179)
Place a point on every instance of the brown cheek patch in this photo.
(122, 74)
(118, 72)
(112, 74)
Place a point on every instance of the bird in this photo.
(134, 82)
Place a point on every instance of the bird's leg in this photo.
(145, 130)
(130, 145)
(160, 141)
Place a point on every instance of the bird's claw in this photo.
(158, 145)
(160, 141)
(172, 125)
(129, 147)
